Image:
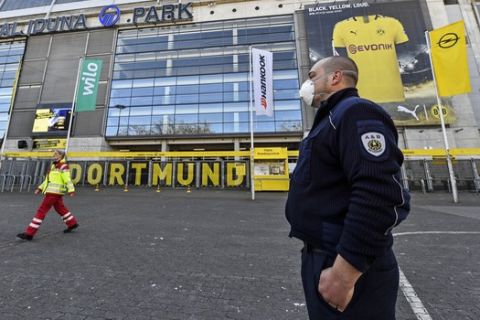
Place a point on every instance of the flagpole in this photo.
(72, 110)
(442, 121)
(252, 146)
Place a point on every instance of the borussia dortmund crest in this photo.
(380, 31)
(374, 143)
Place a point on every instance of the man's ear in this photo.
(336, 78)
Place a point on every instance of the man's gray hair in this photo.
(344, 64)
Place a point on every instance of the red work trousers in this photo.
(50, 200)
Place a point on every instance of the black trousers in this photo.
(375, 292)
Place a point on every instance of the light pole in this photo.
(119, 107)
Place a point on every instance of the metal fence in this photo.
(432, 175)
(18, 174)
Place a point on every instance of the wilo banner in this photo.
(88, 85)
(263, 81)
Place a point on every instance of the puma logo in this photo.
(412, 112)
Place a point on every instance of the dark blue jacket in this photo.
(348, 175)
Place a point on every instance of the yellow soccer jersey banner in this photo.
(449, 58)
(371, 44)
(386, 39)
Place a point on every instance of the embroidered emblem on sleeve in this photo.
(374, 143)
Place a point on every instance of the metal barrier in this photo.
(429, 175)
(24, 174)
(17, 174)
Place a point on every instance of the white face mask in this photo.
(307, 92)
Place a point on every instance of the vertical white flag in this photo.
(263, 81)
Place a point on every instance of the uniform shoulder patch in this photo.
(374, 143)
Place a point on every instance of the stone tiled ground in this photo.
(208, 255)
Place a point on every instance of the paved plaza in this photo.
(213, 254)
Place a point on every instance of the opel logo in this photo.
(109, 15)
(448, 40)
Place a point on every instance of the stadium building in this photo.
(175, 74)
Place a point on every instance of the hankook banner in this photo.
(387, 42)
(263, 81)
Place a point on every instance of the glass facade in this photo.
(9, 5)
(193, 79)
(23, 4)
(11, 54)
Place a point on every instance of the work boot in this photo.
(24, 236)
(70, 229)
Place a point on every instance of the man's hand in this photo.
(337, 283)
(72, 194)
(37, 191)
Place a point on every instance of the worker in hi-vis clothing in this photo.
(56, 184)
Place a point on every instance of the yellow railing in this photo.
(461, 152)
(133, 154)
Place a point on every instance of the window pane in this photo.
(210, 97)
(139, 120)
(141, 101)
(142, 92)
(287, 105)
(111, 131)
(163, 100)
(264, 127)
(186, 118)
(4, 107)
(186, 89)
(137, 83)
(285, 126)
(285, 84)
(118, 84)
(242, 127)
(236, 117)
(138, 130)
(156, 110)
(186, 108)
(113, 121)
(120, 102)
(186, 98)
(211, 107)
(286, 94)
(209, 88)
(288, 115)
(140, 111)
(210, 117)
(121, 93)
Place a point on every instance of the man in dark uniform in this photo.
(345, 198)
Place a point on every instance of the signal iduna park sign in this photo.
(152, 15)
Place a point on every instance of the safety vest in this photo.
(58, 180)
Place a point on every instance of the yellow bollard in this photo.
(125, 189)
(188, 189)
(158, 188)
(97, 188)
